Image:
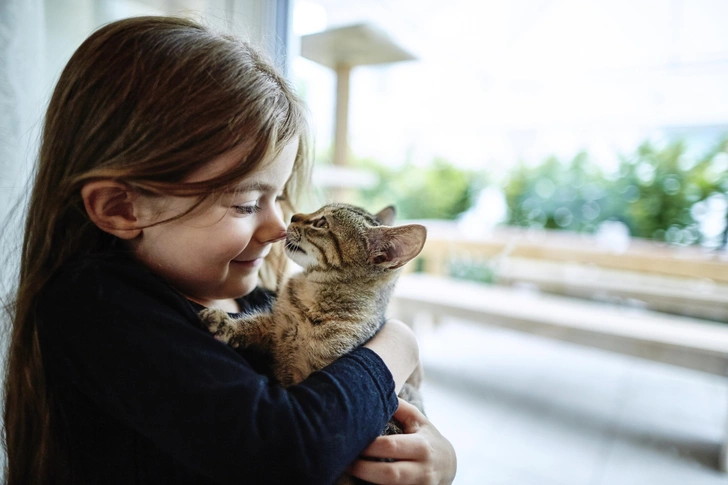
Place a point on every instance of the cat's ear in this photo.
(111, 206)
(386, 216)
(392, 247)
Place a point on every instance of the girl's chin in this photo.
(248, 284)
(234, 286)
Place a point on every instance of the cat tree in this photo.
(342, 49)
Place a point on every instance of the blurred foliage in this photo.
(474, 270)
(557, 195)
(654, 193)
(659, 193)
(438, 191)
(658, 190)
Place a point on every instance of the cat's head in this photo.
(340, 236)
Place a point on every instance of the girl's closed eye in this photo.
(247, 209)
(258, 205)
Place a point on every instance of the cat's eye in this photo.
(321, 223)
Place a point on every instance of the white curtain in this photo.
(22, 42)
(21, 74)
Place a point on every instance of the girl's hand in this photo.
(423, 456)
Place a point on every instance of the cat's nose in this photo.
(297, 218)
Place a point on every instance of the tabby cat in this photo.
(350, 260)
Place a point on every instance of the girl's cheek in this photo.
(243, 231)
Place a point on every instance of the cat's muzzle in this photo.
(293, 239)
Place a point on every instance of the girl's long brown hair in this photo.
(146, 101)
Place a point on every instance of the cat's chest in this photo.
(306, 305)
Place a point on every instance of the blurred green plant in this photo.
(659, 189)
(557, 195)
(473, 270)
(659, 193)
(656, 193)
(437, 191)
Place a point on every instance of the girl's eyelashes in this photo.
(247, 209)
(257, 207)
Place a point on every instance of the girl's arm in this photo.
(120, 338)
(396, 344)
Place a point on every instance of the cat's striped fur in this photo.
(350, 260)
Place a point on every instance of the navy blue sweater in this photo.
(144, 396)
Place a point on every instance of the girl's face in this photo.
(213, 254)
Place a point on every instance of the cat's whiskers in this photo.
(293, 247)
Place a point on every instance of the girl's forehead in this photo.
(272, 176)
(274, 173)
(220, 164)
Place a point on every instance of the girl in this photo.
(169, 158)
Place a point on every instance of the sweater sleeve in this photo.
(128, 342)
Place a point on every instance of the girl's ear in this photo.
(392, 247)
(111, 206)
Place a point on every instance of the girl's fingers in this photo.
(408, 446)
(401, 472)
(399, 447)
(409, 416)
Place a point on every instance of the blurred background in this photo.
(570, 160)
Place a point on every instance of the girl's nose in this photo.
(281, 235)
(273, 228)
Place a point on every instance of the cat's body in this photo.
(312, 324)
(350, 260)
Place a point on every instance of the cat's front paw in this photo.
(218, 323)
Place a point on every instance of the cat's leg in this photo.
(246, 331)
(213, 319)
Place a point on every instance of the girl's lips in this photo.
(259, 258)
(250, 263)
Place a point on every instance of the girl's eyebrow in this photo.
(255, 187)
